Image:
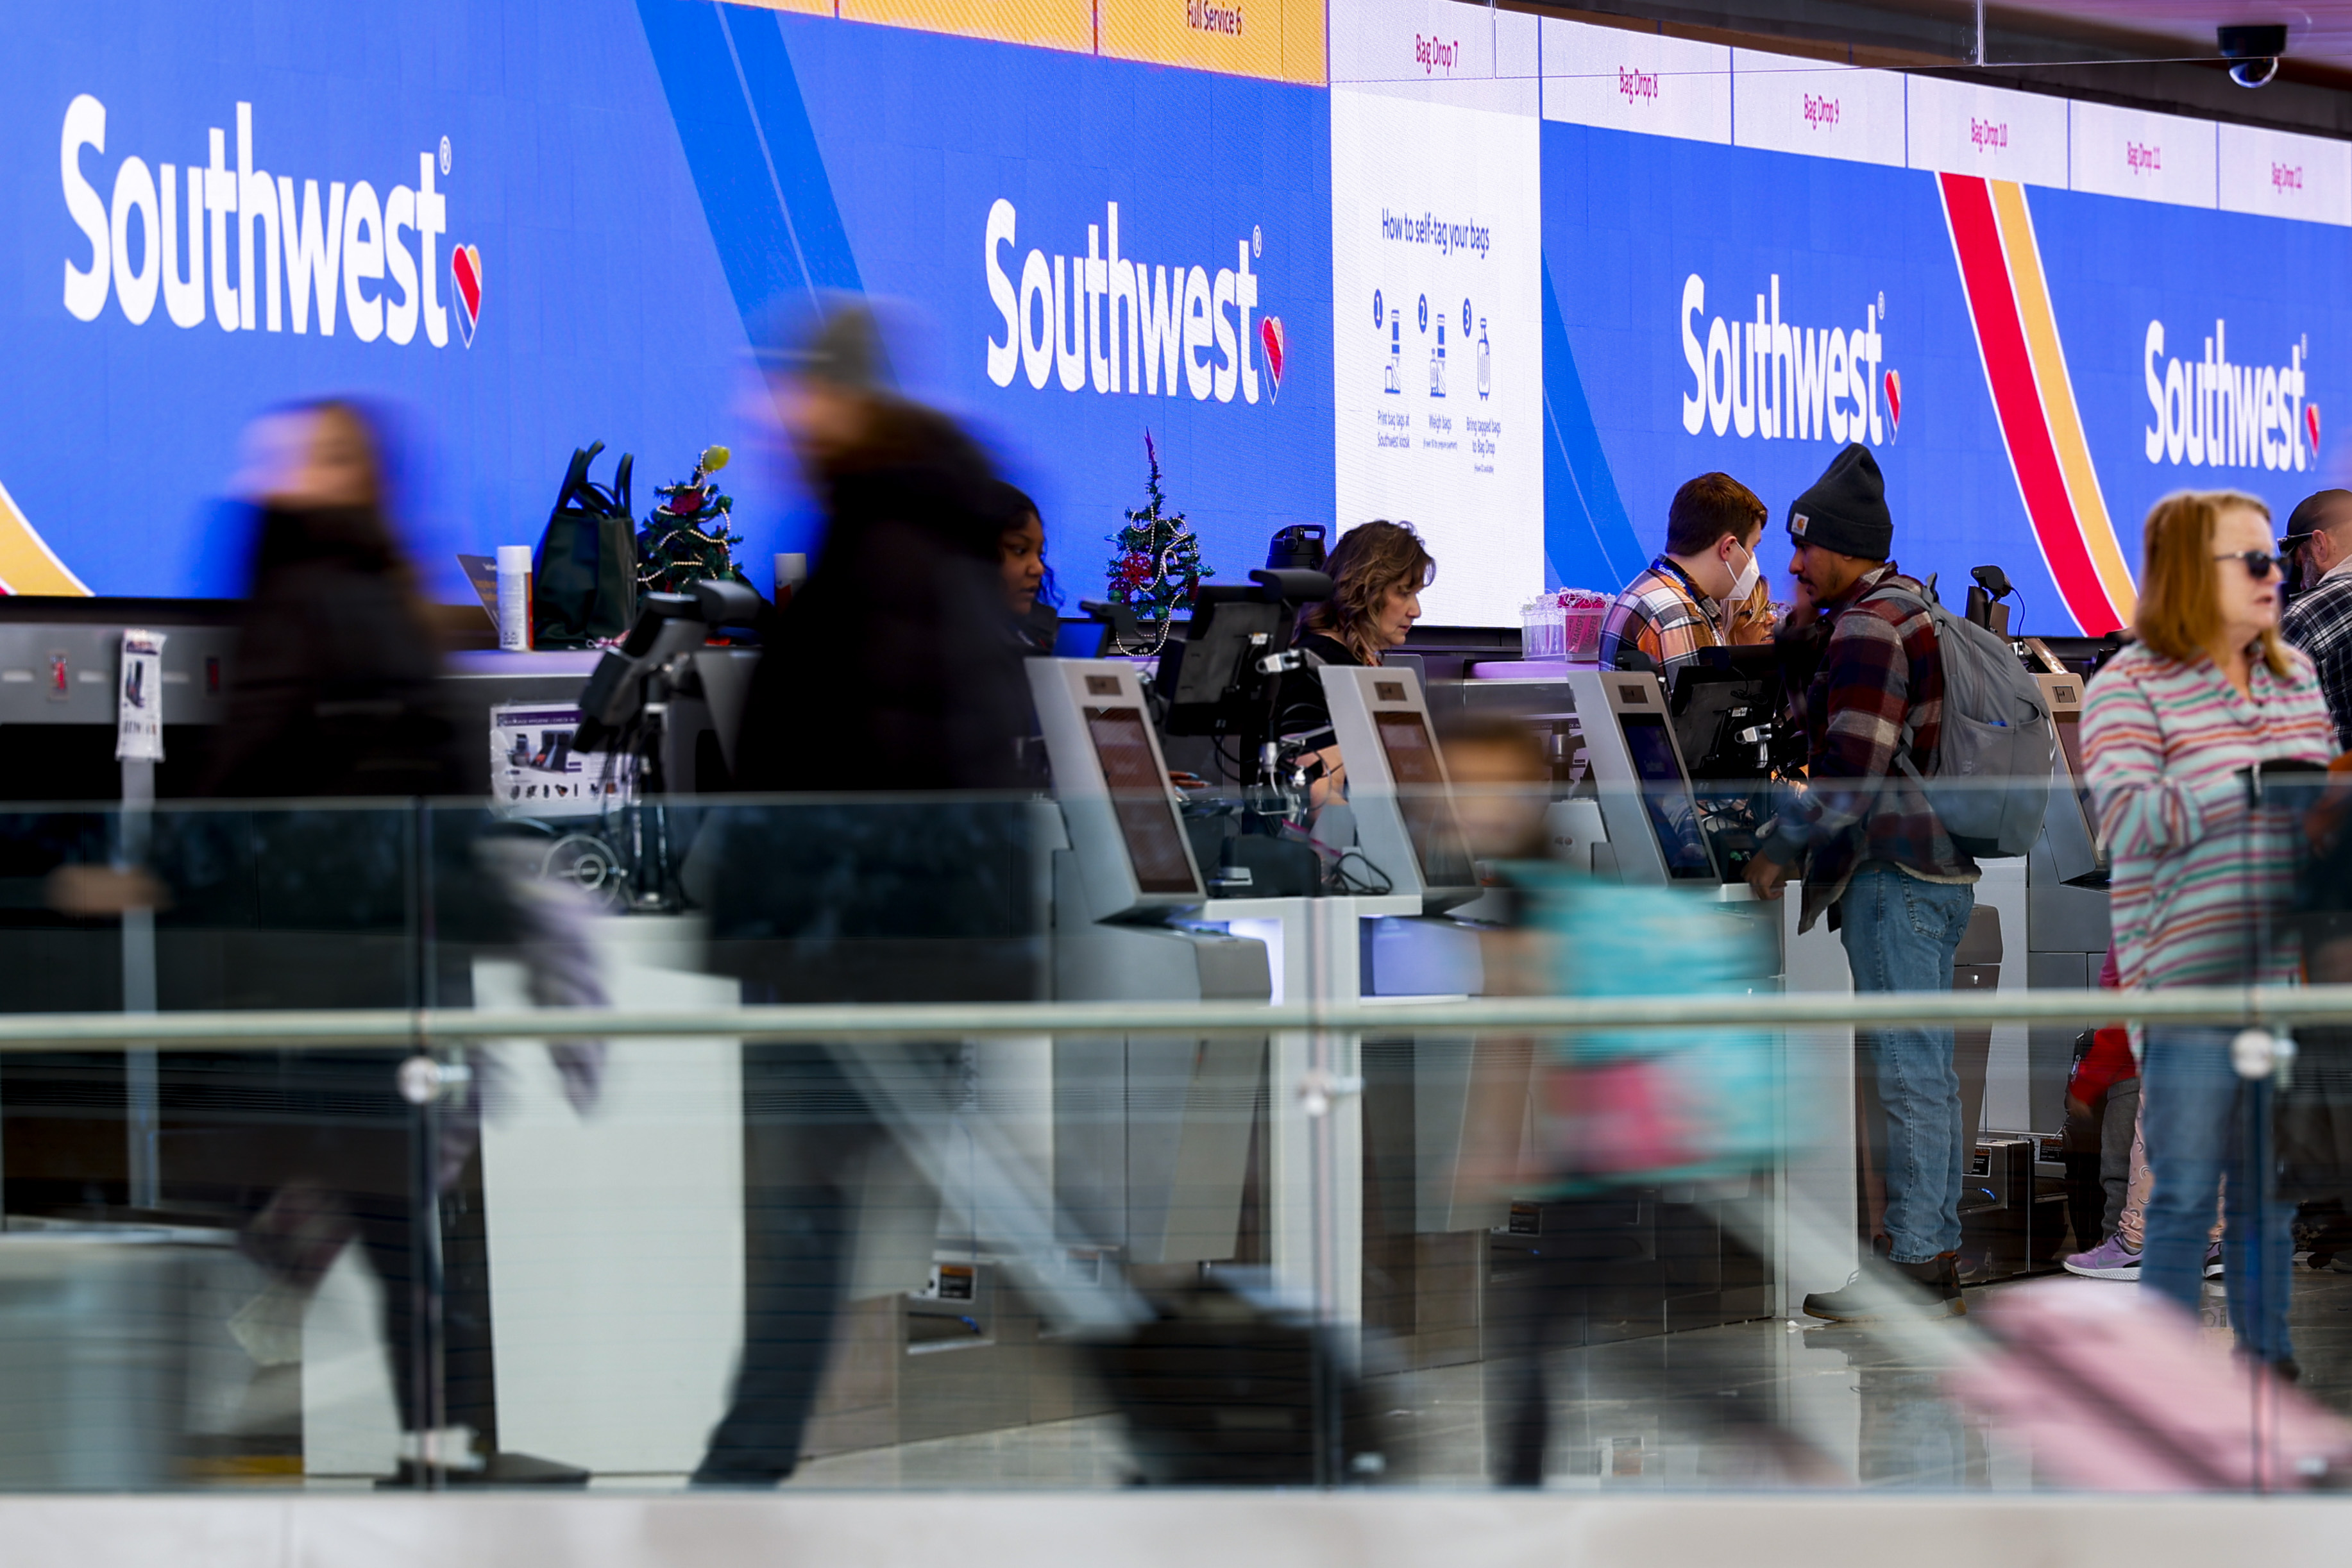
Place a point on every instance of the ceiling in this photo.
(2185, 27)
(2152, 53)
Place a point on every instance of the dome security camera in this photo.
(2254, 52)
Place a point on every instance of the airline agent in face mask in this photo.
(1706, 590)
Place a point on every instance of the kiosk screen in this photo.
(2070, 739)
(1138, 794)
(1674, 813)
(2068, 722)
(1420, 793)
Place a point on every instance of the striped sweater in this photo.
(2195, 869)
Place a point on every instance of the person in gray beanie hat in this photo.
(1872, 854)
(1845, 509)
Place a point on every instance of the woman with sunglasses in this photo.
(2201, 879)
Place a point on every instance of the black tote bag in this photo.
(585, 584)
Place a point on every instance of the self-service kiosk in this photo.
(2066, 901)
(2067, 938)
(1397, 784)
(1657, 835)
(1151, 1133)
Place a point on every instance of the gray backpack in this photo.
(1990, 784)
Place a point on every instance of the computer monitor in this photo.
(1397, 786)
(1646, 799)
(1217, 680)
(1206, 679)
(1725, 709)
(1125, 823)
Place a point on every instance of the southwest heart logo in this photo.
(465, 272)
(2311, 425)
(1270, 339)
(1893, 404)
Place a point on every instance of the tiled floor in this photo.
(1857, 1409)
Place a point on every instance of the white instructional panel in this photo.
(1784, 104)
(2282, 175)
(2150, 157)
(1961, 127)
(1623, 81)
(1436, 330)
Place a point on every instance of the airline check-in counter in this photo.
(1134, 919)
(1627, 802)
(1184, 1154)
(1168, 1157)
(1154, 1137)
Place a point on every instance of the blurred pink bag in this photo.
(2119, 1390)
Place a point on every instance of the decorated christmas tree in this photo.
(1159, 561)
(687, 539)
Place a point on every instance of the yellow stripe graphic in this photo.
(2057, 388)
(28, 565)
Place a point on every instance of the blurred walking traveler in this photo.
(1616, 1115)
(1875, 857)
(332, 691)
(2203, 879)
(1706, 589)
(890, 673)
(333, 696)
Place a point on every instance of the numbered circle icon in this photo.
(1379, 313)
(1425, 312)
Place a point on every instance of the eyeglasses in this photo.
(2260, 563)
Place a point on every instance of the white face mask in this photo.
(1745, 583)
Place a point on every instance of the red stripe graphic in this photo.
(2017, 400)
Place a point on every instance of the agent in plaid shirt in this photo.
(2319, 622)
(1706, 578)
(1872, 850)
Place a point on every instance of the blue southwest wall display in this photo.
(1998, 342)
(1090, 249)
(636, 183)
(529, 225)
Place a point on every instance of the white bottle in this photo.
(514, 597)
(792, 571)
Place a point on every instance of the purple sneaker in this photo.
(2110, 1259)
(2213, 1261)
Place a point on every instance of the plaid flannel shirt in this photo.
(1880, 671)
(1662, 613)
(2320, 624)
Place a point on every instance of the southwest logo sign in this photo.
(1124, 325)
(221, 239)
(2211, 411)
(466, 273)
(1766, 376)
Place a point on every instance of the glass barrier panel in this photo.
(1504, 1127)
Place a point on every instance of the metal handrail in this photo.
(2284, 1004)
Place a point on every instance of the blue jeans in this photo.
(1901, 935)
(2194, 1116)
